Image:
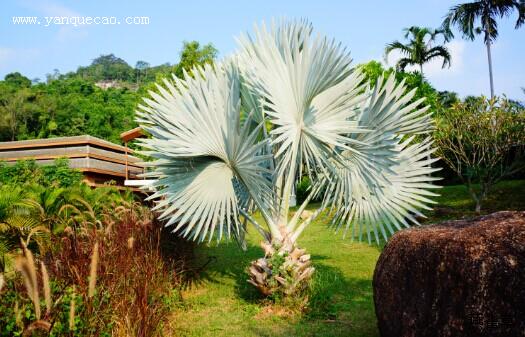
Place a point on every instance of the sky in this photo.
(364, 27)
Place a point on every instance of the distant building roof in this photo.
(61, 141)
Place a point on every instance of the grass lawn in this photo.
(219, 302)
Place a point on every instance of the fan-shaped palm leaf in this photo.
(380, 210)
(366, 183)
(204, 157)
(306, 88)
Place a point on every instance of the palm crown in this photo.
(240, 134)
(420, 49)
(465, 17)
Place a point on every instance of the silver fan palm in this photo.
(239, 135)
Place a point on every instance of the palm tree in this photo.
(464, 17)
(419, 50)
(239, 135)
(20, 225)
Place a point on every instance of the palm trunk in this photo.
(489, 56)
(421, 84)
(285, 270)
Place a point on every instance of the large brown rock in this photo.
(457, 278)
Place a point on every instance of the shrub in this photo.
(114, 274)
(25, 172)
(31, 212)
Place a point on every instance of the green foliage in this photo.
(38, 200)
(27, 172)
(483, 141)
(16, 104)
(192, 55)
(17, 221)
(60, 174)
(133, 279)
(374, 69)
(107, 67)
(303, 188)
(18, 312)
(74, 107)
(65, 107)
(447, 99)
(71, 104)
(276, 263)
(17, 80)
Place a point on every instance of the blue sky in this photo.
(363, 26)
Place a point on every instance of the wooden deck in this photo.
(100, 161)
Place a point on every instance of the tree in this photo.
(17, 80)
(419, 49)
(141, 68)
(483, 141)
(465, 16)
(13, 108)
(107, 67)
(193, 54)
(239, 135)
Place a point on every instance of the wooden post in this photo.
(126, 145)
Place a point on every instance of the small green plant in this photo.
(27, 172)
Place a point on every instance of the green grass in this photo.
(219, 302)
(455, 203)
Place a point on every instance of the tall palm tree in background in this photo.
(465, 16)
(419, 50)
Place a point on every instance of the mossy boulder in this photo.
(457, 278)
